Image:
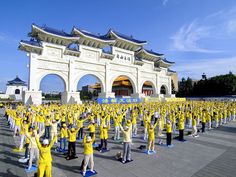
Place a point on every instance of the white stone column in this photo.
(108, 86)
(138, 93)
(32, 95)
(157, 94)
(71, 96)
(33, 62)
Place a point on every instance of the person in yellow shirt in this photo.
(24, 127)
(127, 142)
(151, 137)
(45, 157)
(54, 125)
(88, 153)
(80, 125)
(134, 124)
(145, 123)
(103, 137)
(181, 127)
(71, 146)
(17, 124)
(194, 126)
(34, 152)
(117, 128)
(168, 133)
(204, 118)
(63, 137)
(92, 128)
(48, 122)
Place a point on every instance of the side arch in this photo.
(164, 89)
(152, 83)
(61, 75)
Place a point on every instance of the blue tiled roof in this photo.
(31, 42)
(164, 59)
(169, 70)
(126, 37)
(153, 53)
(54, 31)
(16, 81)
(102, 37)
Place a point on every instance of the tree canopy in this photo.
(215, 86)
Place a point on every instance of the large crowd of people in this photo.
(52, 125)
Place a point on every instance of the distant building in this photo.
(14, 89)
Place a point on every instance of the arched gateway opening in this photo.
(122, 87)
(52, 87)
(89, 86)
(163, 90)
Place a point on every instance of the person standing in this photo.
(168, 133)
(127, 143)
(34, 151)
(88, 153)
(45, 157)
(71, 146)
(151, 137)
(181, 127)
(103, 137)
(63, 137)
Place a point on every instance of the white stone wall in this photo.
(11, 91)
(71, 69)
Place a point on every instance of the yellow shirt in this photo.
(181, 124)
(92, 128)
(72, 135)
(194, 122)
(64, 133)
(45, 152)
(88, 146)
(104, 133)
(151, 132)
(127, 135)
(116, 122)
(169, 128)
(17, 121)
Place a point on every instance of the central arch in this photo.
(123, 85)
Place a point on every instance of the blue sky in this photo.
(199, 35)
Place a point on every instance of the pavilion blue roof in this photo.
(32, 42)
(164, 59)
(153, 53)
(126, 37)
(17, 81)
(86, 33)
(169, 70)
(54, 31)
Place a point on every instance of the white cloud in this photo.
(164, 2)
(188, 37)
(193, 36)
(231, 26)
(210, 66)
